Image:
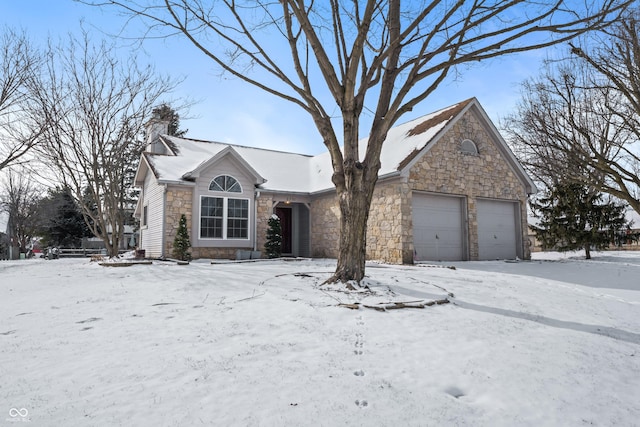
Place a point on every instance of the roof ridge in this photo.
(237, 145)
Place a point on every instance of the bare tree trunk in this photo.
(352, 249)
(355, 183)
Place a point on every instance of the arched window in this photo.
(469, 147)
(225, 183)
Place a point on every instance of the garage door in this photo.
(438, 233)
(497, 225)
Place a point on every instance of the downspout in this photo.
(256, 194)
(164, 220)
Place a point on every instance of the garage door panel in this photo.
(438, 227)
(497, 226)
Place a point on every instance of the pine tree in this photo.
(181, 243)
(573, 216)
(61, 219)
(273, 245)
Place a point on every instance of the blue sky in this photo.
(232, 111)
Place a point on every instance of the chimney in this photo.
(154, 128)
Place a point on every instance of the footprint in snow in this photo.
(455, 392)
(91, 319)
(359, 373)
(362, 403)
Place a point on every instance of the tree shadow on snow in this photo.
(606, 331)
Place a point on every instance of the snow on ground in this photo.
(552, 342)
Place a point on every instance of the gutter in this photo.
(256, 194)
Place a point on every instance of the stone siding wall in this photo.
(179, 201)
(389, 228)
(445, 169)
(325, 224)
(264, 210)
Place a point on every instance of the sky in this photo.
(231, 111)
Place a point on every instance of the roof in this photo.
(4, 222)
(304, 173)
(634, 217)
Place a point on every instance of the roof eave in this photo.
(141, 172)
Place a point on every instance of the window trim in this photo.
(214, 217)
(225, 219)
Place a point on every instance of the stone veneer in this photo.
(264, 210)
(179, 201)
(445, 169)
(388, 229)
(325, 224)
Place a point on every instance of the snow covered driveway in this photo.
(261, 344)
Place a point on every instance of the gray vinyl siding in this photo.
(151, 234)
(227, 166)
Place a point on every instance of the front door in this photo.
(285, 223)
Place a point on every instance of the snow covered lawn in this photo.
(262, 344)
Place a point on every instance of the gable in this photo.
(470, 144)
(446, 167)
(227, 156)
(225, 165)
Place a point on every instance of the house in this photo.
(449, 189)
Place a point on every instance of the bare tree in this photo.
(350, 56)
(580, 120)
(94, 105)
(20, 199)
(19, 62)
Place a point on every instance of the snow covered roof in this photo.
(4, 222)
(291, 172)
(634, 217)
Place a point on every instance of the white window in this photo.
(224, 218)
(211, 217)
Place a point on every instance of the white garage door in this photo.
(438, 233)
(497, 225)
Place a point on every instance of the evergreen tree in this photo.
(62, 221)
(573, 216)
(181, 243)
(273, 245)
(166, 112)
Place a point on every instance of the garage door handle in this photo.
(495, 237)
(437, 236)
